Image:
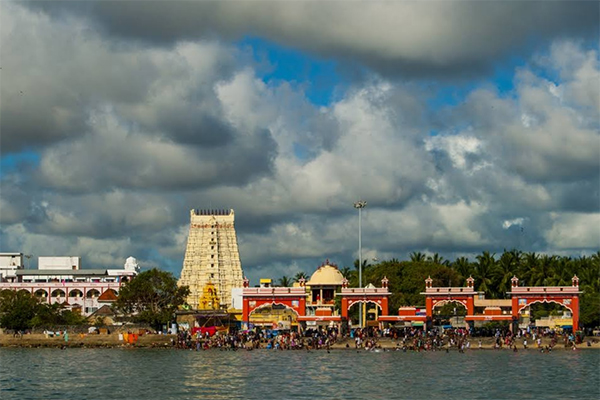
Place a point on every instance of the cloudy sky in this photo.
(466, 126)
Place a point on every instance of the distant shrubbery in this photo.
(21, 310)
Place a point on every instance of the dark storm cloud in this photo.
(395, 38)
(111, 156)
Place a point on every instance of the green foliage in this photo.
(300, 275)
(152, 297)
(17, 309)
(20, 310)
(285, 281)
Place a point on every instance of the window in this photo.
(212, 256)
(212, 275)
(212, 247)
(212, 265)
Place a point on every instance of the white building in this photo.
(66, 262)
(83, 290)
(9, 264)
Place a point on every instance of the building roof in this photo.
(326, 275)
(80, 272)
(108, 296)
(104, 310)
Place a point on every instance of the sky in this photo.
(467, 126)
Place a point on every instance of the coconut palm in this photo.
(300, 275)
(463, 267)
(437, 259)
(346, 272)
(504, 270)
(417, 256)
(284, 281)
(483, 270)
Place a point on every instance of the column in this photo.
(575, 312)
(344, 310)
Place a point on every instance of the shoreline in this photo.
(164, 341)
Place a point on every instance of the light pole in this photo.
(360, 205)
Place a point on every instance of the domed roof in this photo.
(326, 275)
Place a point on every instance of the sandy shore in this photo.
(157, 341)
(81, 340)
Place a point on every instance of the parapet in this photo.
(211, 212)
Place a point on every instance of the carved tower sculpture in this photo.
(211, 256)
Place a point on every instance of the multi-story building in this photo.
(10, 263)
(211, 256)
(83, 290)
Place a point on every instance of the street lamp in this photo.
(360, 205)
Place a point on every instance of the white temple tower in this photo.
(211, 255)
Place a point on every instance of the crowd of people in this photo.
(312, 339)
(402, 339)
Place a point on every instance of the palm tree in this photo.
(365, 264)
(417, 256)
(541, 275)
(529, 265)
(437, 259)
(284, 281)
(346, 271)
(483, 269)
(300, 275)
(463, 267)
(562, 272)
(504, 270)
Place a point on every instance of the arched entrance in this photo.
(449, 312)
(438, 296)
(546, 314)
(566, 296)
(367, 295)
(274, 316)
(293, 298)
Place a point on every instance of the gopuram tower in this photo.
(211, 256)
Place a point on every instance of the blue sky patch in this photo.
(318, 77)
(12, 162)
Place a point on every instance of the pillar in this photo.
(302, 306)
(344, 309)
(515, 307)
(384, 306)
(429, 307)
(470, 305)
(575, 312)
(245, 311)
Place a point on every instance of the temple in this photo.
(211, 266)
(313, 304)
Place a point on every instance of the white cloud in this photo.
(511, 222)
(574, 231)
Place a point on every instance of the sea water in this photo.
(271, 374)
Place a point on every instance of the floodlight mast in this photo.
(360, 205)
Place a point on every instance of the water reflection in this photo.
(165, 374)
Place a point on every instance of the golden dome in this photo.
(326, 275)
